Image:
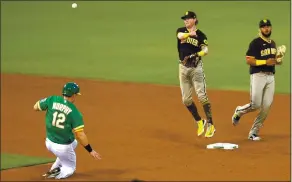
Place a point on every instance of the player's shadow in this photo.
(174, 138)
(102, 175)
(277, 137)
(79, 175)
(264, 138)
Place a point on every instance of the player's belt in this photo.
(190, 65)
(267, 73)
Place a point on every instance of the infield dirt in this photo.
(143, 131)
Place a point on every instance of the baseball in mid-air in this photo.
(74, 5)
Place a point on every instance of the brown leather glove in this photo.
(191, 60)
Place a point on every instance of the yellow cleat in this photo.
(210, 131)
(201, 127)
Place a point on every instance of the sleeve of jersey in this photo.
(78, 124)
(251, 50)
(43, 104)
(204, 41)
(179, 30)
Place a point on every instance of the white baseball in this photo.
(74, 5)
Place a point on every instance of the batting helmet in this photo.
(70, 89)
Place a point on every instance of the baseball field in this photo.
(123, 56)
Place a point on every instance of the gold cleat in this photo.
(201, 126)
(210, 130)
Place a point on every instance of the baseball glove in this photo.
(281, 50)
(191, 60)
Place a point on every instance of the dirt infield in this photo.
(143, 131)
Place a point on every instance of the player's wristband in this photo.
(186, 35)
(261, 62)
(88, 148)
(201, 53)
(183, 35)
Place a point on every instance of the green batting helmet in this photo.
(70, 89)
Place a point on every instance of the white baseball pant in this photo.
(66, 157)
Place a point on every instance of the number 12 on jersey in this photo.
(58, 120)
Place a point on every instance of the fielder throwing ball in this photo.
(63, 120)
(192, 45)
(262, 56)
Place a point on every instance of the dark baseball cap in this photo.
(189, 14)
(265, 22)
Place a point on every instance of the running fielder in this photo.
(192, 45)
(262, 56)
(63, 120)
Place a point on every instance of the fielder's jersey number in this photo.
(58, 120)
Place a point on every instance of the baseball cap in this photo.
(70, 89)
(189, 14)
(265, 22)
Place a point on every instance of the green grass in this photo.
(135, 41)
(12, 161)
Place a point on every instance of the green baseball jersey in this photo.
(62, 118)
